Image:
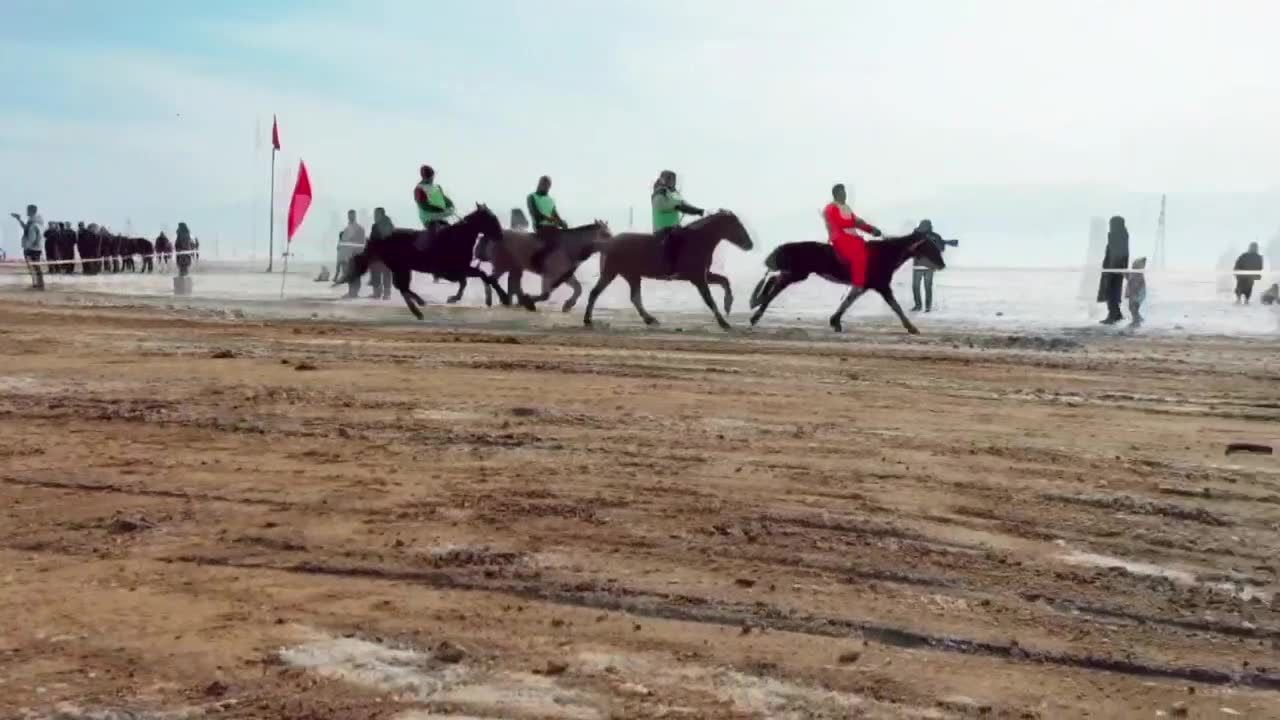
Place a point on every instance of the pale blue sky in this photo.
(1006, 121)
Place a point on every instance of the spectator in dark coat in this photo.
(184, 247)
(1246, 265)
(1111, 286)
(922, 274)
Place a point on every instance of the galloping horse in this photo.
(793, 262)
(448, 256)
(516, 252)
(638, 255)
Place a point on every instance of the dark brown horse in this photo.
(793, 262)
(449, 256)
(639, 255)
(517, 252)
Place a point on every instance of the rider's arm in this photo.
(865, 226)
(688, 209)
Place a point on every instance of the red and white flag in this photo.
(300, 201)
(275, 133)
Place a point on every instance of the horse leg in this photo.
(516, 291)
(634, 282)
(514, 278)
(763, 288)
(606, 277)
(854, 294)
(887, 294)
(490, 282)
(722, 281)
(772, 290)
(400, 279)
(577, 293)
(462, 286)
(705, 292)
(549, 286)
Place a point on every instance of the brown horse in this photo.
(517, 252)
(638, 255)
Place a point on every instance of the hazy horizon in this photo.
(1009, 124)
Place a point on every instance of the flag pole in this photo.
(271, 232)
(284, 273)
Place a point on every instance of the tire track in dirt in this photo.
(690, 608)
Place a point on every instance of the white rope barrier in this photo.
(19, 263)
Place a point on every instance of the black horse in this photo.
(793, 262)
(448, 256)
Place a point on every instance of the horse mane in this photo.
(706, 219)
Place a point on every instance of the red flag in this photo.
(300, 201)
(275, 133)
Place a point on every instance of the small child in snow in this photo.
(1136, 290)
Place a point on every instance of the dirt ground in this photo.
(211, 516)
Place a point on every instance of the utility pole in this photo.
(1158, 262)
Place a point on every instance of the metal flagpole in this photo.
(271, 233)
(284, 273)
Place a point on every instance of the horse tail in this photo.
(357, 266)
(763, 287)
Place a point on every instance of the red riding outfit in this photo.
(842, 233)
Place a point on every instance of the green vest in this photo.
(546, 208)
(665, 214)
(435, 196)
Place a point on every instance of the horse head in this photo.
(484, 221)
(730, 224)
(922, 249)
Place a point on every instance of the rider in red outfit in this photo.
(842, 233)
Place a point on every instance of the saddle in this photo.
(428, 235)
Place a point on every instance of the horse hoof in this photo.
(837, 326)
(451, 300)
(913, 331)
(566, 307)
(651, 321)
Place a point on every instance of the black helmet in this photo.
(427, 172)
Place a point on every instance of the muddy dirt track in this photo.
(217, 517)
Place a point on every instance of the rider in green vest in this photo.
(546, 219)
(668, 208)
(433, 205)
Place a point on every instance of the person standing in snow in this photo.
(184, 247)
(379, 275)
(1249, 263)
(1135, 291)
(32, 243)
(922, 274)
(1111, 285)
(350, 241)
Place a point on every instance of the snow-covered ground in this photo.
(997, 300)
